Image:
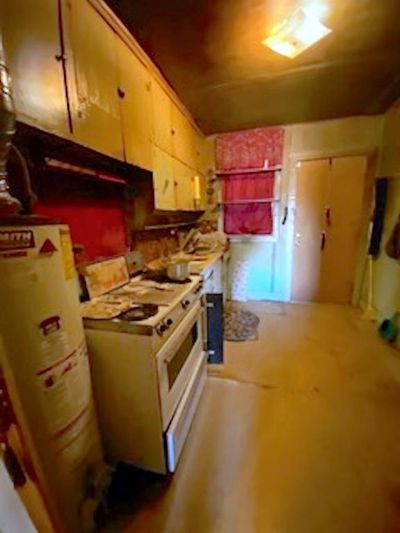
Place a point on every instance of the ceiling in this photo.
(210, 51)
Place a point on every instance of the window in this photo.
(247, 164)
(248, 203)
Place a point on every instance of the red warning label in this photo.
(47, 247)
(16, 240)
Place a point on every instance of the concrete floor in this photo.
(299, 432)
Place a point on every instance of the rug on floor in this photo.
(240, 325)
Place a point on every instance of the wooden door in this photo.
(329, 196)
(162, 120)
(343, 225)
(31, 39)
(164, 181)
(98, 119)
(136, 113)
(311, 190)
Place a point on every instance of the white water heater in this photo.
(44, 366)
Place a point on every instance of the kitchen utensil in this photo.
(178, 269)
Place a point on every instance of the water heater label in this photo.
(16, 240)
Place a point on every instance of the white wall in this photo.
(271, 262)
(336, 137)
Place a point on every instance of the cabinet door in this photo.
(311, 193)
(199, 191)
(136, 114)
(183, 186)
(162, 120)
(329, 196)
(343, 212)
(163, 180)
(183, 143)
(203, 191)
(31, 40)
(201, 156)
(98, 121)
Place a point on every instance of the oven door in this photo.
(177, 361)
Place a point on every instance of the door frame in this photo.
(372, 155)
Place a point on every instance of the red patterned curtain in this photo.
(247, 196)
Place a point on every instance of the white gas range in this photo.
(148, 363)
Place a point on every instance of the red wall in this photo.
(99, 226)
(93, 209)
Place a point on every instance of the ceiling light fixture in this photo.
(297, 33)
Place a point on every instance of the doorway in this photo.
(327, 225)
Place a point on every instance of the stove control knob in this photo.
(198, 288)
(169, 322)
(161, 328)
(185, 303)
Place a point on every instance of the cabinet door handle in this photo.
(285, 215)
(328, 217)
(323, 240)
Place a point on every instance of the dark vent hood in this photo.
(48, 154)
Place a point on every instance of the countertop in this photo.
(201, 263)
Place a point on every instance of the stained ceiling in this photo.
(210, 51)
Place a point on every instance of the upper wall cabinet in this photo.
(184, 186)
(164, 180)
(162, 117)
(201, 153)
(97, 119)
(183, 138)
(136, 107)
(32, 46)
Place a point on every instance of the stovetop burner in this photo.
(139, 312)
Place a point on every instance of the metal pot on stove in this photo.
(178, 269)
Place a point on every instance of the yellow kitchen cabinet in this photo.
(97, 121)
(201, 153)
(31, 40)
(162, 119)
(183, 144)
(184, 177)
(199, 191)
(134, 91)
(163, 180)
(203, 193)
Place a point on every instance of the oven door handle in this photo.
(170, 358)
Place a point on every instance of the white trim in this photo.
(251, 238)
